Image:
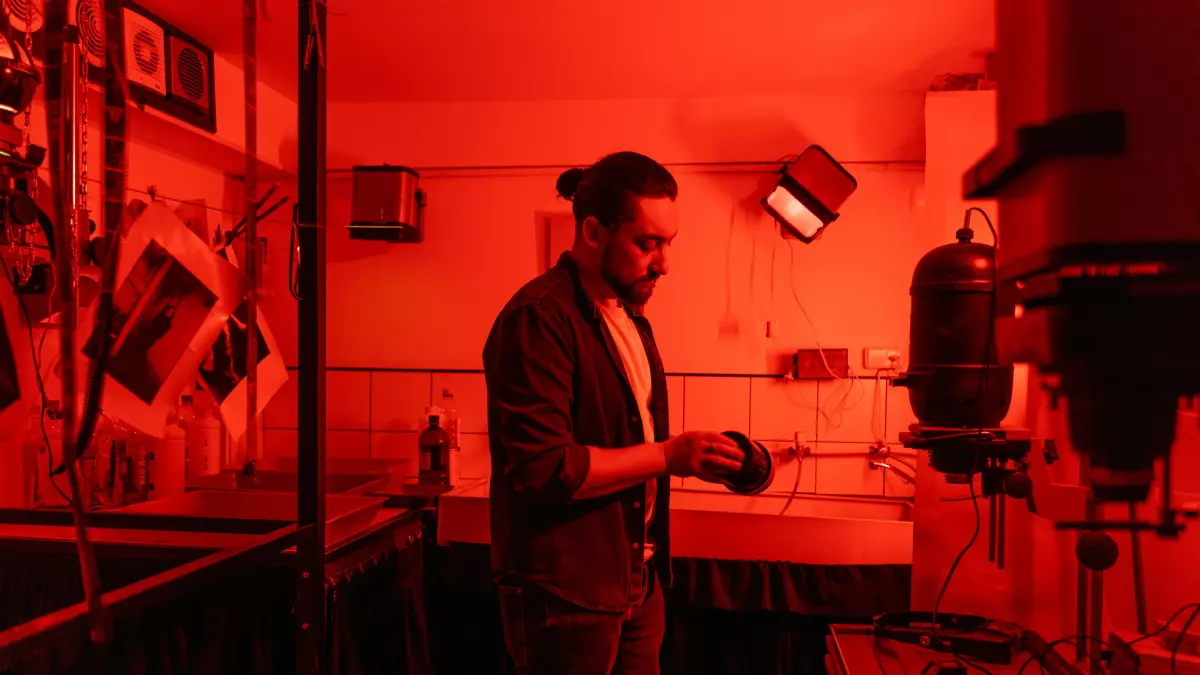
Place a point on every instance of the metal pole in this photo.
(249, 49)
(1139, 577)
(310, 602)
(67, 250)
(1083, 580)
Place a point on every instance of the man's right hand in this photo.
(696, 453)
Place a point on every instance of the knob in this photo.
(23, 209)
(1096, 551)
(1018, 485)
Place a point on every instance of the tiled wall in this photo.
(379, 414)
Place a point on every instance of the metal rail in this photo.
(70, 624)
(310, 218)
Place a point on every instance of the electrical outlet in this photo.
(881, 358)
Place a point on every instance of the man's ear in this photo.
(594, 233)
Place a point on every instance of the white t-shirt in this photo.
(637, 370)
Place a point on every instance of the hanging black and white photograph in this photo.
(157, 311)
(173, 296)
(224, 370)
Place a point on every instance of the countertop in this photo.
(128, 541)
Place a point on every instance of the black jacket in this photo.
(555, 384)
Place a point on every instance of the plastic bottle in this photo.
(434, 445)
(54, 433)
(204, 433)
(29, 494)
(450, 423)
(166, 466)
(183, 416)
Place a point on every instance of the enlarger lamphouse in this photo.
(1094, 282)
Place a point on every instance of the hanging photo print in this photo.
(173, 296)
(224, 371)
(18, 384)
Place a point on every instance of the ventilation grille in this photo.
(89, 16)
(190, 73)
(147, 52)
(144, 52)
(20, 12)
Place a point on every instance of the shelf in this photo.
(153, 127)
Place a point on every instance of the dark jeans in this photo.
(547, 635)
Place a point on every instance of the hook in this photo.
(153, 192)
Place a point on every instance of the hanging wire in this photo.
(155, 194)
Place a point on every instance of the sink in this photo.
(815, 529)
(344, 514)
(270, 480)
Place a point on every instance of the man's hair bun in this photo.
(568, 183)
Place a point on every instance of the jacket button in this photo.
(635, 545)
(634, 419)
(637, 505)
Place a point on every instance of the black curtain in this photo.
(242, 622)
(727, 617)
(724, 616)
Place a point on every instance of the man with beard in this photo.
(581, 454)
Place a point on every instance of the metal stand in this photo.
(308, 534)
(310, 599)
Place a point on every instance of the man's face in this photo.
(635, 253)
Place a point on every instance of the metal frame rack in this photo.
(71, 625)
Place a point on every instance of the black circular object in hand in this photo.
(1096, 551)
(757, 470)
(23, 209)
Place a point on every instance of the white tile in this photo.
(899, 413)
(849, 411)
(282, 443)
(348, 444)
(844, 469)
(279, 443)
(398, 400)
(476, 459)
(470, 398)
(786, 469)
(716, 404)
(396, 445)
(675, 403)
(280, 411)
(779, 409)
(348, 400)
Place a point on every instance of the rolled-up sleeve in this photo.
(532, 392)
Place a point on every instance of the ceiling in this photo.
(457, 50)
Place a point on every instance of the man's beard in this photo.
(636, 293)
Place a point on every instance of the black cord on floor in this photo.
(37, 370)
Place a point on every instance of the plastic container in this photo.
(204, 434)
(166, 468)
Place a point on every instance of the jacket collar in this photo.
(566, 262)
